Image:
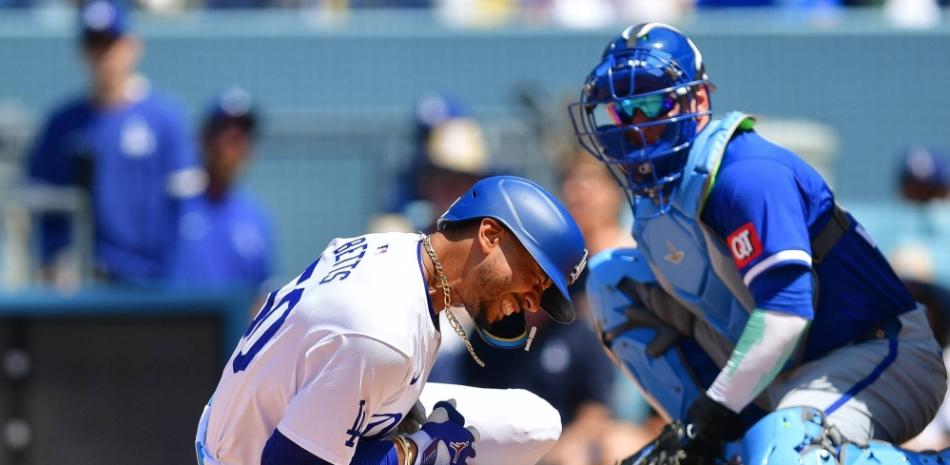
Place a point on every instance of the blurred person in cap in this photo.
(449, 156)
(920, 251)
(920, 255)
(126, 145)
(225, 235)
(924, 175)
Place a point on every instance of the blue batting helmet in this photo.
(636, 110)
(544, 228)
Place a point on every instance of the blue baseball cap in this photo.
(436, 108)
(925, 166)
(103, 19)
(233, 105)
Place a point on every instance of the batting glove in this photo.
(443, 438)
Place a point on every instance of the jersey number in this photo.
(267, 322)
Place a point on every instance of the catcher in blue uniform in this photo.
(750, 289)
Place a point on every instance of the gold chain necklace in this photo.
(446, 294)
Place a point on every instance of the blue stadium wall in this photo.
(338, 94)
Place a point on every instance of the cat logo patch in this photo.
(744, 244)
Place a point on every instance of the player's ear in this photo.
(489, 234)
(702, 98)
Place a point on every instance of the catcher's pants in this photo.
(885, 388)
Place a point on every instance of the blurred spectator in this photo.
(390, 3)
(592, 14)
(596, 202)
(920, 256)
(912, 14)
(237, 4)
(126, 145)
(449, 156)
(924, 175)
(921, 249)
(225, 236)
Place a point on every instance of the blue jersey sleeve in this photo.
(758, 206)
(44, 163)
(51, 163)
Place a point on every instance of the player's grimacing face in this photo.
(509, 281)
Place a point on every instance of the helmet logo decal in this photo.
(579, 268)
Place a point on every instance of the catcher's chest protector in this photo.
(689, 260)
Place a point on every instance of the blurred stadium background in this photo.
(96, 372)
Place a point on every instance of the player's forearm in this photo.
(766, 344)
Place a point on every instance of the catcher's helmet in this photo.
(625, 116)
(544, 228)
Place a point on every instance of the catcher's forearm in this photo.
(767, 342)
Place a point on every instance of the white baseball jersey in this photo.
(340, 353)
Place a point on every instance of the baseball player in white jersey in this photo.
(337, 358)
